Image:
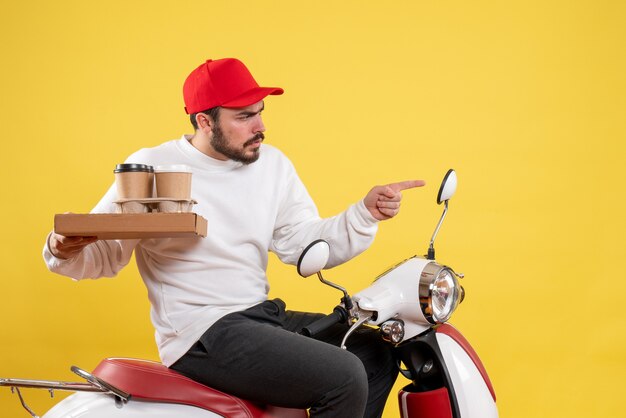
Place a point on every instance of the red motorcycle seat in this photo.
(152, 381)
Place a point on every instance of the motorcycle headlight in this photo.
(439, 292)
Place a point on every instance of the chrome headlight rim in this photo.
(430, 275)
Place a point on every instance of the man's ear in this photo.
(204, 122)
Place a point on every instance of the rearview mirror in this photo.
(446, 191)
(314, 258)
(447, 188)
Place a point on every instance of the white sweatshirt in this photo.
(250, 209)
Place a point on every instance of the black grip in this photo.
(338, 316)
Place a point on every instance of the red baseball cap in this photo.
(225, 82)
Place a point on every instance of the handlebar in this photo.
(338, 316)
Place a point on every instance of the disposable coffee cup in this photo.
(173, 181)
(134, 181)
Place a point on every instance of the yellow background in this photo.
(525, 99)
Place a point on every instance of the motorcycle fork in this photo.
(426, 367)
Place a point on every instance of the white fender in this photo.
(473, 395)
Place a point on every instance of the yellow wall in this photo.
(524, 98)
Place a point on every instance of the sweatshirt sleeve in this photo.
(103, 258)
(298, 224)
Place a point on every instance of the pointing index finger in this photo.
(408, 184)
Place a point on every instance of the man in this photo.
(209, 296)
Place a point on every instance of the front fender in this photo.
(447, 376)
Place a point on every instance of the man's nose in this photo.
(259, 126)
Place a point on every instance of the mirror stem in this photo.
(431, 253)
(431, 248)
(347, 300)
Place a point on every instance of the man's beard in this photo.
(219, 142)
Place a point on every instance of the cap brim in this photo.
(253, 96)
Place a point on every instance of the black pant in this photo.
(256, 355)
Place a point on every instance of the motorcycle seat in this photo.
(152, 381)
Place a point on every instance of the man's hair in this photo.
(213, 113)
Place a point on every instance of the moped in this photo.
(409, 305)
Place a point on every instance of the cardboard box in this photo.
(131, 225)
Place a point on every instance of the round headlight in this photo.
(445, 295)
(440, 293)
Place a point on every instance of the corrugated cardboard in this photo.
(131, 225)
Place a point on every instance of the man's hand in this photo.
(383, 202)
(68, 247)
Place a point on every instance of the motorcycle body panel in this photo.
(99, 405)
(395, 294)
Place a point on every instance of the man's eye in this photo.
(249, 116)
